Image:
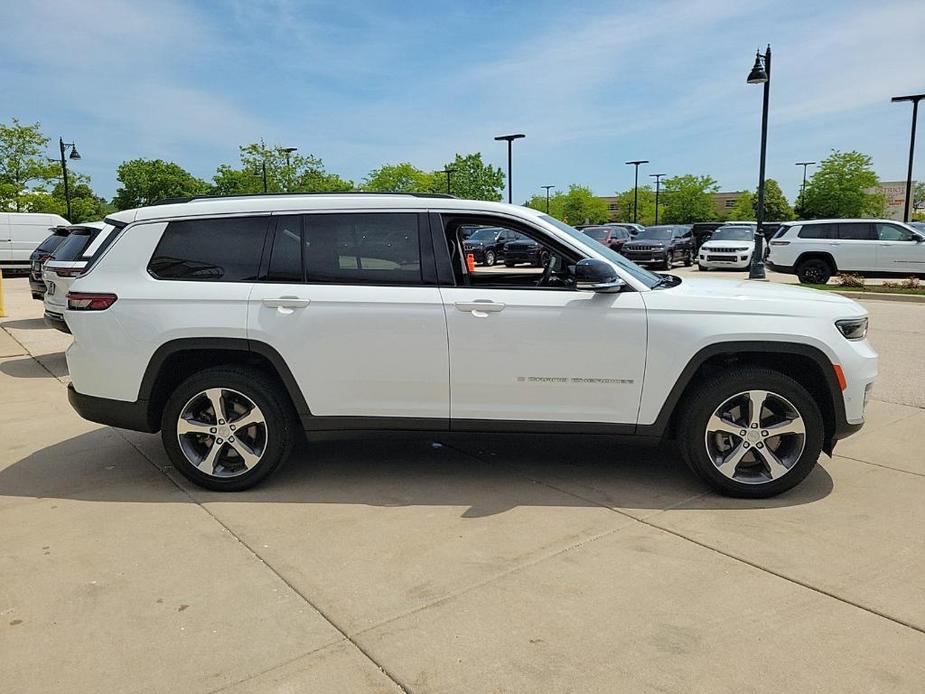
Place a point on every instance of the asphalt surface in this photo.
(497, 564)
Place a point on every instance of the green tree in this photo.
(86, 205)
(24, 168)
(776, 207)
(744, 208)
(576, 206)
(473, 179)
(400, 178)
(843, 186)
(689, 198)
(918, 196)
(299, 173)
(646, 206)
(556, 204)
(145, 181)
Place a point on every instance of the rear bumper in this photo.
(114, 413)
(785, 269)
(37, 287)
(56, 321)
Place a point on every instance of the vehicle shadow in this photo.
(485, 475)
(26, 324)
(55, 366)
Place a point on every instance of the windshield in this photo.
(655, 234)
(596, 233)
(650, 279)
(733, 234)
(484, 235)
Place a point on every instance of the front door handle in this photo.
(286, 302)
(480, 307)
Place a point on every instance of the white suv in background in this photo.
(66, 263)
(730, 246)
(233, 325)
(815, 250)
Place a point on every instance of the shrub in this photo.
(848, 279)
(912, 282)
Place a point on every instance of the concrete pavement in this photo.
(468, 564)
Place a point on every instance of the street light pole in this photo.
(761, 74)
(914, 98)
(510, 183)
(658, 181)
(547, 196)
(804, 164)
(288, 151)
(74, 155)
(448, 170)
(636, 185)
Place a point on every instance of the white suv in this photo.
(730, 246)
(817, 249)
(232, 325)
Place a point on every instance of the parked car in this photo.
(815, 250)
(663, 245)
(633, 229)
(729, 247)
(487, 244)
(40, 255)
(612, 235)
(702, 231)
(232, 325)
(67, 263)
(21, 233)
(524, 250)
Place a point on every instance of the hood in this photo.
(766, 298)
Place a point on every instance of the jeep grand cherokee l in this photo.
(662, 245)
(233, 325)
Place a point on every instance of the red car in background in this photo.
(611, 236)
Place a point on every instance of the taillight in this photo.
(89, 301)
(68, 271)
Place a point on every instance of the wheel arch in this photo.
(817, 255)
(806, 364)
(178, 359)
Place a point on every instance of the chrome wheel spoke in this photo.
(215, 397)
(207, 464)
(756, 400)
(729, 464)
(719, 423)
(790, 426)
(190, 426)
(775, 466)
(249, 457)
(255, 416)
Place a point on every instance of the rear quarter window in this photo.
(210, 250)
(74, 245)
(817, 231)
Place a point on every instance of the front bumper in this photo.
(478, 253)
(517, 256)
(723, 260)
(645, 256)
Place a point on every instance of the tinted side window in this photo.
(218, 250)
(75, 244)
(817, 231)
(856, 231)
(51, 243)
(286, 254)
(891, 232)
(363, 248)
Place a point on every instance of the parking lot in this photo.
(465, 564)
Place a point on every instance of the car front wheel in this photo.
(490, 258)
(227, 428)
(689, 259)
(752, 432)
(814, 271)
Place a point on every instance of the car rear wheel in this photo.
(689, 259)
(490, 258)
(227, 428)
(751, 432)
(814, 271)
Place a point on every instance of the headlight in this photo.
(853, 328)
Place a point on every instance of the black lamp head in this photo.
(758, 75)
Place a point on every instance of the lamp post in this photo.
(547, 196)
(448, 171)
(636, 184)
(510, 183)
(263, 169)
(804, 164)
(73, 155)
(658, 181)
(914, 98)
(288, 151)
(761, 74)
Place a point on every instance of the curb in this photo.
(882, 296)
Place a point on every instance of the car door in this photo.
(899, 250)
(855, 245)
(355, 313)
(524, 353)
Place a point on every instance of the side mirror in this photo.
(595, 275)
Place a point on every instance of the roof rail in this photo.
(192, 198)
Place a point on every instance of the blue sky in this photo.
(360, 84)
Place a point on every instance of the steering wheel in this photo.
(547, 269)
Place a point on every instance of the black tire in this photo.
(700, 404)
(490, 258)
(666, 263)
(689, 259)
(702, 268)
(814, 271)
(508, 263)
(282, 424)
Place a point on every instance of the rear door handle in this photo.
(480, 307)
(286, 302)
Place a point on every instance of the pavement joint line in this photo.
(747, 562)
(882, 466)
(275, 572)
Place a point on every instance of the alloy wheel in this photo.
(755, 437)
(222, 432)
